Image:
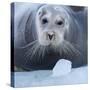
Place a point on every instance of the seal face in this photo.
(51, 24)
(51, 33)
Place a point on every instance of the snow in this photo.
(62, 67)
(44, 78)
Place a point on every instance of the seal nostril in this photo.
(50, 36)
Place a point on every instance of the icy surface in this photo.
(62, 67)
(44, 78)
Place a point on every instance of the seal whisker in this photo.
(29, 53)
(72, 49)
(32, 52)
(31, 49)
(41, 53)
(30, 44)
(63, 49)
(68, 48)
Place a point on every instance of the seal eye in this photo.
(59, 22)
(44, 21)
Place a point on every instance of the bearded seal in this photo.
(50, 33)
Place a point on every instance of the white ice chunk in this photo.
(62, 67)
